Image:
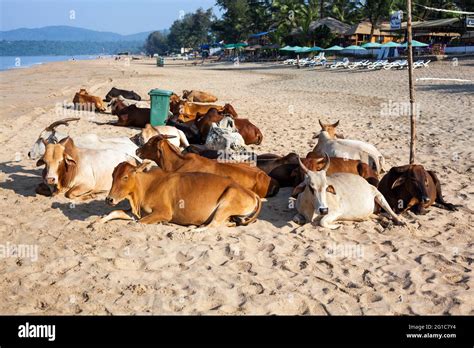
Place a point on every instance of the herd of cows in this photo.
(180, 173)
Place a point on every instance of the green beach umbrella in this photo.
(315, 49)
(287, 48)
(415, 43)
(303, 50)
(334, 48)
(391, 44)
(371, 45)
(355, 48)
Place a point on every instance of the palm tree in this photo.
(374, 10)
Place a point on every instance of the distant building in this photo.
(335, 26)
(360, 33)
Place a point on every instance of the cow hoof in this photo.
(400, 223)
(299, 219)
(419, 210)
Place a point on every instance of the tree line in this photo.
(289, 20)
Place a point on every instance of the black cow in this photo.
(115, 92)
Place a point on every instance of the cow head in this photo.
(186, 94)
(175, 104)
(316, 183)
(311, 163)
(146, 134)
(99, 104)
(135, 95)
(152, 149)
(414, 179)
(124, 181)
(330, 128)
(229, 110)
(60, 161)
(47, 136)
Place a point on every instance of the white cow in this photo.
(340, 196)
(347, 148)
(179, 138)
(78, 172)
(127, 102)
(88, 141)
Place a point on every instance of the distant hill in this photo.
(67, 33)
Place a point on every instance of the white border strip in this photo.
(440, 79)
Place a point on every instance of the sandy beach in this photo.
(273, 266)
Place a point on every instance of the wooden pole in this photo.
(412, 87)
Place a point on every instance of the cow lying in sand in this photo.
(199, 96)
(115, 92)
(87, 141)
(340, 196)
(346, 148)
(83, 99)
(181, 198)
(119, 103)
(169, 158)
(79, 173)
(411, 187)
(176, 137)
(248, 131)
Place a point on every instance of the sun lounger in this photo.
(341, 64)
(421, 64)
(397, 64)
(379, 64)
(359, 64)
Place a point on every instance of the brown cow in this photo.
(184, 111)
(198, 96)
(131, 116)
(84, 99)
(246, 129)
(181, 198)
(169, 158)
(411, 187)
(280, 168)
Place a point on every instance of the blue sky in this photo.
(119, 16)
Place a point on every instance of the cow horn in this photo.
(321, 124)
(64, 121)
(303, 167)
(336, 124)
(328, 162)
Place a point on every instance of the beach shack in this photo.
(360, 33)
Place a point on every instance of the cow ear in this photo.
(69, 160)
(144, 167)
(331, 189)
(40, 163)
(298, 189)
(398, 182)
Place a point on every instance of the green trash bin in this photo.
(160, 61)
(160, 105)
